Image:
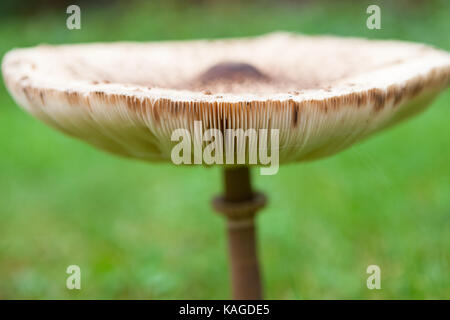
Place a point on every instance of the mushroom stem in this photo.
(239, 204)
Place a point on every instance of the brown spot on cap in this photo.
(295, 115)
(232, 72)
(378, 98)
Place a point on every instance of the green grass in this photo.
(140, 230)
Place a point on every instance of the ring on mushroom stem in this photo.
(239, 205)
(295, 84)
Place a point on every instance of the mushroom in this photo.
(321, 93)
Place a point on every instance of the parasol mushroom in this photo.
(322, 93)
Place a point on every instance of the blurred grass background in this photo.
(140, 230)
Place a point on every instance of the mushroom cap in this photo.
(323, 93)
